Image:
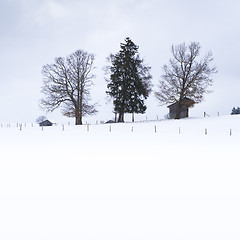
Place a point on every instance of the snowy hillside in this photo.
(171, 179)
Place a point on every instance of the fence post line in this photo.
(230, 132)
(155, 128)
(206, 132)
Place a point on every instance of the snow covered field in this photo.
(123, 182)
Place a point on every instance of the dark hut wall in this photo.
(173, 112)
(173, 108)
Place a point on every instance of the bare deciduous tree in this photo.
(41, 119)
(186, 76)
(67, 83)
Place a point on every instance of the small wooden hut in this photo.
(45, 123)
(186, 104)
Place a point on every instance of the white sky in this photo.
(34, 32)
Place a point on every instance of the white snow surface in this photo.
(181, 182)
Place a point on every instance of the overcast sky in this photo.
(34, 32)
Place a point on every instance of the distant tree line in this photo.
(67, 82)
(235, 111)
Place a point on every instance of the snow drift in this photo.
(172, 179)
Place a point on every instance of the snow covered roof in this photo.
(187, 102)
(45, 123)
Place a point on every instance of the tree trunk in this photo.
(78, 117)
(132, 117)
(121, 117)
(78, 120)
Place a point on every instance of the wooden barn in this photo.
(186, 104)
(45, 123)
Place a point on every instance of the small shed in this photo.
(186, 104)
(45, 123)
(110, 121)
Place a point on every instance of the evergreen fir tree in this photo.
(233, 111)
(129, 84)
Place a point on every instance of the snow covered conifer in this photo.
(129, 84)
(238, 110)
(233, 111)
